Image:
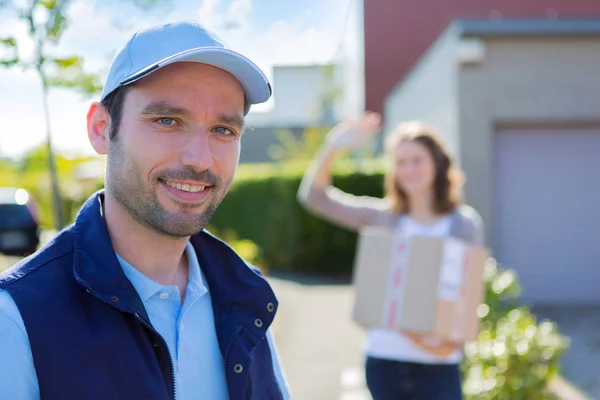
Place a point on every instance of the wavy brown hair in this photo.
(448, 178)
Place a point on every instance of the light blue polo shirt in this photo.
(188, 329)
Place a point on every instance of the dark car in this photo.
(19, 227)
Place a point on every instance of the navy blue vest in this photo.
(91, 337)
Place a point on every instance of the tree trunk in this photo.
(56, 199)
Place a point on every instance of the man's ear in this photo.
(98, 126)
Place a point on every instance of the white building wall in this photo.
(429, 93)
(298, 93)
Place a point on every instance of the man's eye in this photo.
(221, 130)
(167, 121)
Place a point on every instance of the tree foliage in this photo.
(46, 22)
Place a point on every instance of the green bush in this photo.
(245, 248)
(515, 357)
(262, 206)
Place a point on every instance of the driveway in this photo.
(581, 363)
(318, 344)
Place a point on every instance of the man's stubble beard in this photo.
(124, 183)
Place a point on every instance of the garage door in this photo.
(547, 212)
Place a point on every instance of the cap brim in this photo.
(253, 80)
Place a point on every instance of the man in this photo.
(136, 300)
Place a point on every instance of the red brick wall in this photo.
(398, 32)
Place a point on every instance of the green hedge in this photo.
(262, 206)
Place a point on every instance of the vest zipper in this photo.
(147, 325)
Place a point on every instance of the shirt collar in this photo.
(147, 288)
(196, 279)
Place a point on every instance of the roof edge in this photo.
(527, 27)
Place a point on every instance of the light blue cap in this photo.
(153, 48)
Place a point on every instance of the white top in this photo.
(394, 345)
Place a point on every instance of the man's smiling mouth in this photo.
(185, 187)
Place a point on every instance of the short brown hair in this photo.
(448, 178)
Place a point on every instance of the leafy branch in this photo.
(47, 22)
(11, 44)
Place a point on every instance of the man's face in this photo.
(177, 148)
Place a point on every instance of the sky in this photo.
(269, 32)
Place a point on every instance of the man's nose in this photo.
(197, 152)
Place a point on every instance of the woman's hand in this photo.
(346, 136)
(441, 349)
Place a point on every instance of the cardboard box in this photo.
(425, 285)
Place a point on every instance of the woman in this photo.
(422, 198)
